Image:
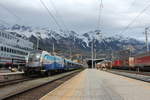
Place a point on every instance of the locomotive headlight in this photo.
(37, 56)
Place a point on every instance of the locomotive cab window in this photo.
(34, 56)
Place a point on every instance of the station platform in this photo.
(11, 76)
(92, 84)
(11, 73)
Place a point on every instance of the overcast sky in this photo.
(79, 15)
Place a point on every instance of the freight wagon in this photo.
(140, 61)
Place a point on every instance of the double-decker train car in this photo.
(13, 49)
(42, 62)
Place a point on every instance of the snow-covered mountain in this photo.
(79, 43)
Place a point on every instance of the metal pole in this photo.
(70, 53)
(53, 48)
(146, 36)
(37, 43)
(38, 39)
(112, 55)
(92, 47)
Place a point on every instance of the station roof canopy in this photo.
(89, 61)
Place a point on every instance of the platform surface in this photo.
(92, 84)
(11, 73)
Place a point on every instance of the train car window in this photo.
(2, 34)
(14, 51)
(19, 52)
(5, 49)
(10, 50)
(5, 35)
(2, 49)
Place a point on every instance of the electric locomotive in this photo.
(42, 62)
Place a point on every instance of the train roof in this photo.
(70, 61)
(142, 54)
(57, 57)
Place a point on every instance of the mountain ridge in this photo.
(79, 43)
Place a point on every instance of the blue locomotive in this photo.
(44, 63)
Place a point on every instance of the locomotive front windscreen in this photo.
(34, 56)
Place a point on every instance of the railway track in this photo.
(35, 92)
(133, 72)
(11, 82)
(142, 76)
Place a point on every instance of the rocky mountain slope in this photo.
(70, 41)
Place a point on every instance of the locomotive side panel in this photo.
(142, 61)
(117, 63)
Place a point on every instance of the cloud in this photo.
(79, 15)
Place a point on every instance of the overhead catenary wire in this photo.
(50, 14)
(132, 4)
(132, 21)
(58, 14)
(140, 13)
(4, 22)
(99, 26)
(11, 12)
(62, 22)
